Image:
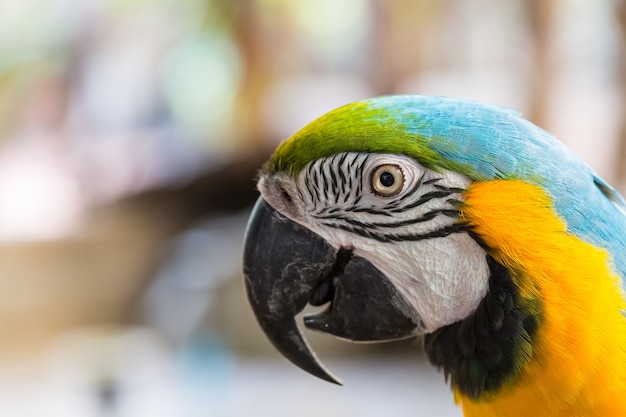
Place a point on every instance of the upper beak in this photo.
(287, 266)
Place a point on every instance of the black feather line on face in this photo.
(334, 174)
(330, 214)
(395, 203)
(333, 178)
(482, 352)
(390, 237)
(313, 185)
(422, 200)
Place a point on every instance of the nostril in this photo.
(286, 195)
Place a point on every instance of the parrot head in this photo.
(367, 211)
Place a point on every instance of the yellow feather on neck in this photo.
(578, 366)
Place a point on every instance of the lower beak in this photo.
(287, 266)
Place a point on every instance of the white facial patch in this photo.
(398, 215)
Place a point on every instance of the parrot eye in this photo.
(387, 180)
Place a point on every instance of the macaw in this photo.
(457, 221)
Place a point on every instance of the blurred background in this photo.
(130, 134)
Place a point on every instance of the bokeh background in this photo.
(130, 134)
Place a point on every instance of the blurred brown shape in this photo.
(620, 13)
(541, 14)
(96, 276)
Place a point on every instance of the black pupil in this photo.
(387, 179)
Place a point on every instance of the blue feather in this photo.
(496, 142)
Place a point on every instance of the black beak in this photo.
(287, 266)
